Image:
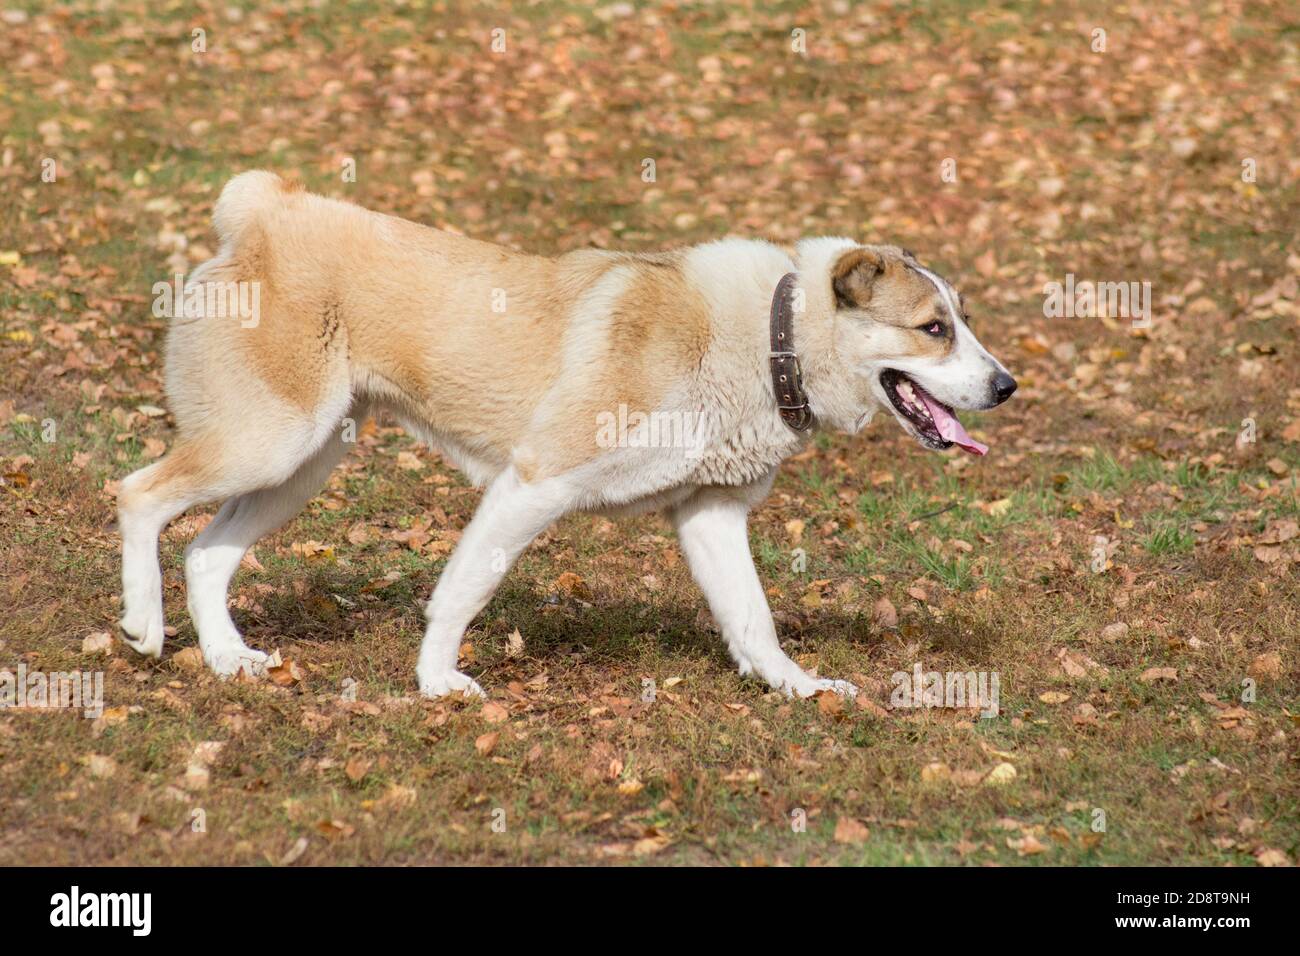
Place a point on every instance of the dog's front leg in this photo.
(712, 528)
(511, 514)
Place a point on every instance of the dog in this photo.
(521, 370)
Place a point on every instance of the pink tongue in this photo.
(949, 428)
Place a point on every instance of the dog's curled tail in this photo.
(243, 198)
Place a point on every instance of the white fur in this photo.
(510, 516)
(711, 527)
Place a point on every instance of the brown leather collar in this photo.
(787, 377)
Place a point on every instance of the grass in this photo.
(620, 731)
(1169, 539)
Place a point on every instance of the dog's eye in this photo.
(934, 328)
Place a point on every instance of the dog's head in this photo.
(902, 331)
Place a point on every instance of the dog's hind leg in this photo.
(146, 501)
(213, 557)
(711, 526)
(252, 451)
(511, 514)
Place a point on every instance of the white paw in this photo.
(448, 682)
(805, 685)
(142, 634)
(841, 687)
(227, 660)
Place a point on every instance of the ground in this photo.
(1124, 560)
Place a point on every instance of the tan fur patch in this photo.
(854, 276)
(658, 330)
(879, 280)
(179, 472)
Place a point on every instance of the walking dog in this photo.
(513, 366)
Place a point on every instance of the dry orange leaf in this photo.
(285, 675)
(851, 831)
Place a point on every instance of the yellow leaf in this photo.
(1000, 775)
(936, 773)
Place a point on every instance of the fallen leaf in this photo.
(1153, 674)
(295, 852)
(830, 704)
(851, 831)
(1266, 666)
(1267, 856)
(1114, 632)
(573, 585)
(101, 766)
(1075, 664)
(1000, 507)
(397, 797)
(886, 615)
(1028, 845)
(285, 675)
(936, 773)
(1071, 665)
(197, 777)
(1000, 775)
(188, 658)
(101, 642)
(111, 717)
(649, 846)
(335, 829)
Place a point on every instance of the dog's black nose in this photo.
(1004, 386)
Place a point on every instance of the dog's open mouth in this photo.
(933, 421)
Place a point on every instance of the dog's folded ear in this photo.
(853, 276)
